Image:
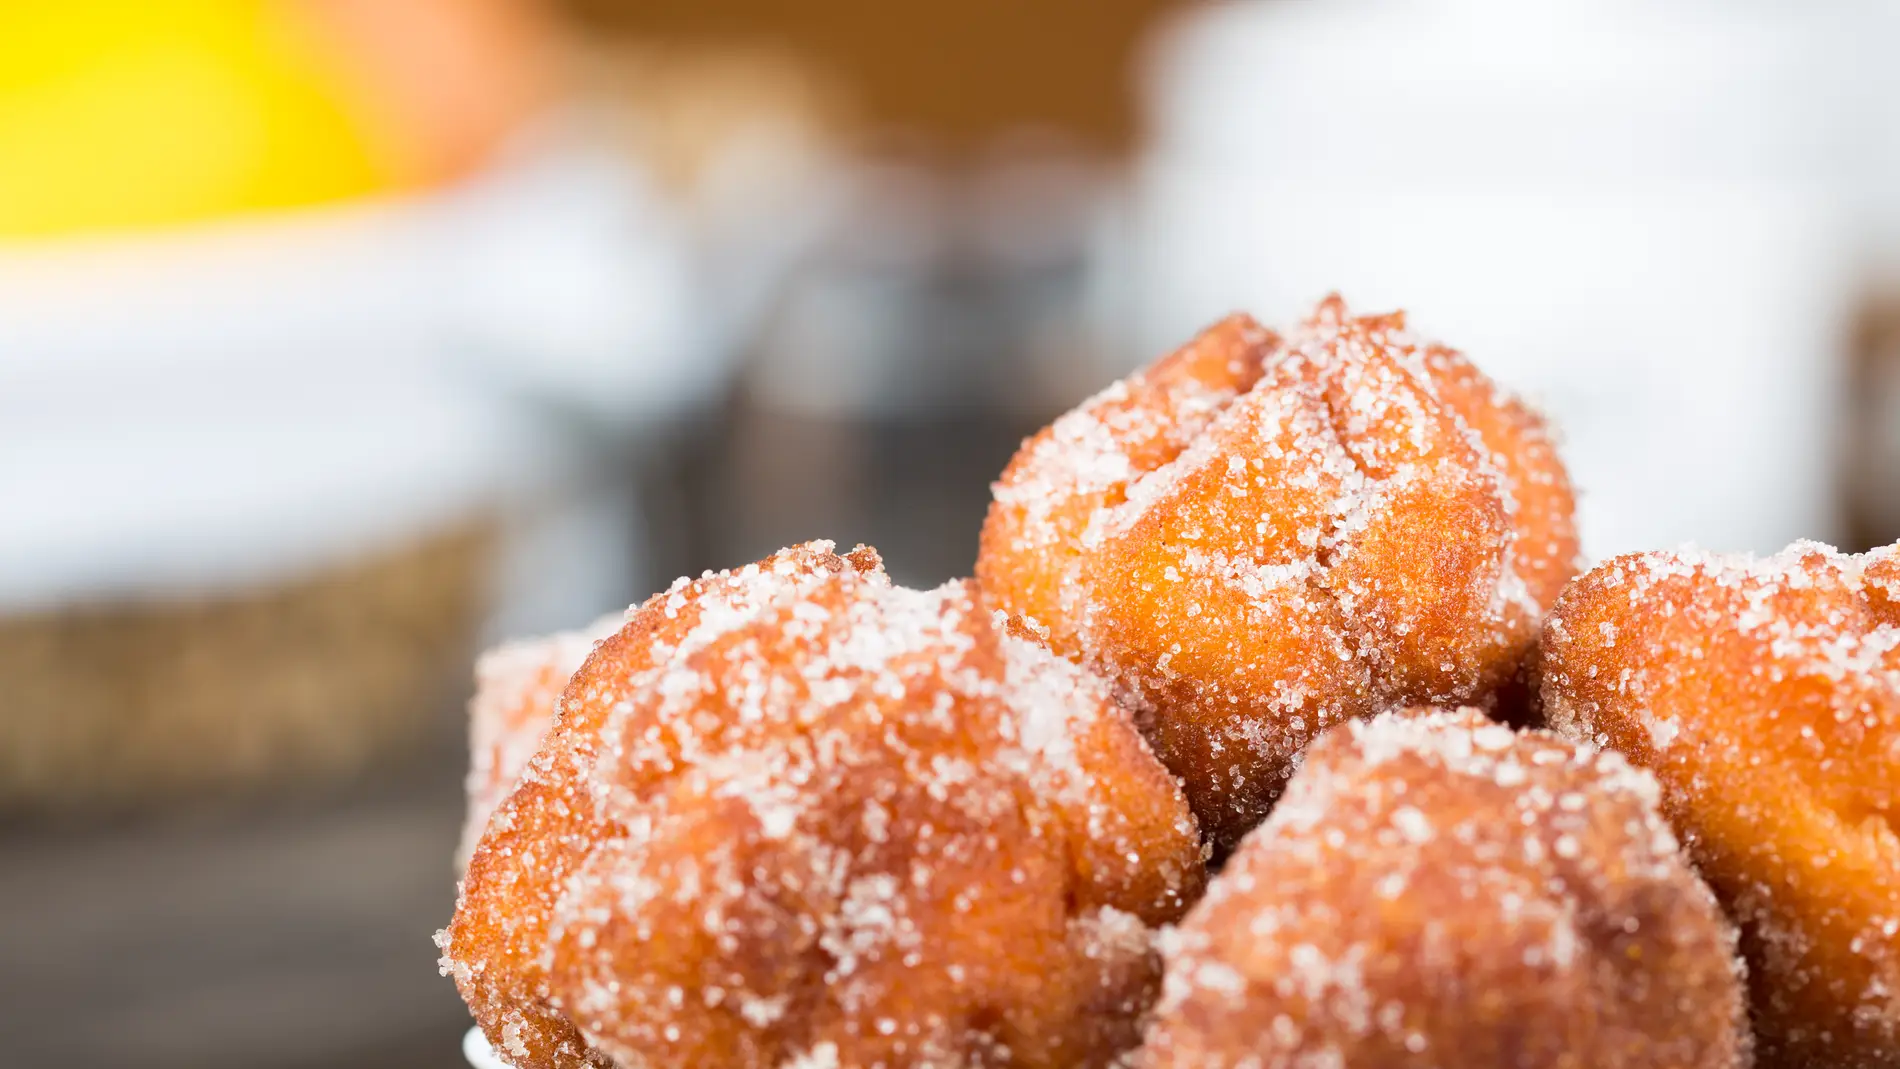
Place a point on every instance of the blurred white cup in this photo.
(1628, 213)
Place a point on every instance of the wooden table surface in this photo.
(289, 933)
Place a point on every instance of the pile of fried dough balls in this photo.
(1224, 758)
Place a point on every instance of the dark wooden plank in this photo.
(292, 934)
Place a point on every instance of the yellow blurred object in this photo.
(119, 114)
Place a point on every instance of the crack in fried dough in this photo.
(1259, 536)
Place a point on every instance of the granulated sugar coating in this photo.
(792, 815)
(516, 686)
(1765, 695)
(1255, 538)
(1435, 890)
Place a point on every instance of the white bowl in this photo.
(479, 1054)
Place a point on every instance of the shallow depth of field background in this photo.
(339, 338)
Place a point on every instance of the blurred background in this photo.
(340, 337)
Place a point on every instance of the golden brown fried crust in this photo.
(517, 686)
(1765, 696)
(1255, 538)
(792, 811)
(541, 833)
(1435, 890)
(1077, 466)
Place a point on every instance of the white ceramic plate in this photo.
(479, 1054)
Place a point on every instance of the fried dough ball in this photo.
(1255, 538)
(795, 815)
(516, 686)
(1765, 696)
(1435, 890)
